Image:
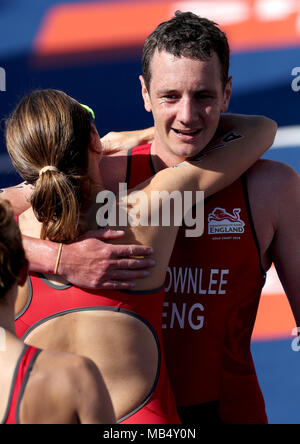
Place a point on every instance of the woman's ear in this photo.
(146, 96)
(95, 142)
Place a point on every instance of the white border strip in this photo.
(287, 137)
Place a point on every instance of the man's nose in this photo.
(187, 112)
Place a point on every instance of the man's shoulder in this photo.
(273, 190)
(270, 165)
(269, 175)
(272, 186)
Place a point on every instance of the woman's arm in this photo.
(157, 207)
(224, 160)
(125, 140)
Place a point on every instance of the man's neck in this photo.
(162, 159)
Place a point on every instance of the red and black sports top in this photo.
(20, 379)
(213, 287)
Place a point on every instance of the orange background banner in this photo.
(89, 26)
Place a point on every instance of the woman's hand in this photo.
(125, 140)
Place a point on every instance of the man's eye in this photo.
(203, 96)
(171, 97)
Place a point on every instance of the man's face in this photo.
(186, 98)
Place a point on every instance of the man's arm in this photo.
(274, 192)
(18, 196)
(285, 248)
(90, 262)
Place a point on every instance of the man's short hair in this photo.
(187, 35)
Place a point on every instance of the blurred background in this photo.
(92, 51)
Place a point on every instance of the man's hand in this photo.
(91, 263)
(125, 140)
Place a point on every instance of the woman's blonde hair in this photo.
(49, 128)
(12, 255)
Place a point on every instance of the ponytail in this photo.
(56, 205)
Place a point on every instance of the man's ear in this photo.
(227, 95)
(145, 94)
(23, 274)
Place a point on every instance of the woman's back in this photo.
(120, 331)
